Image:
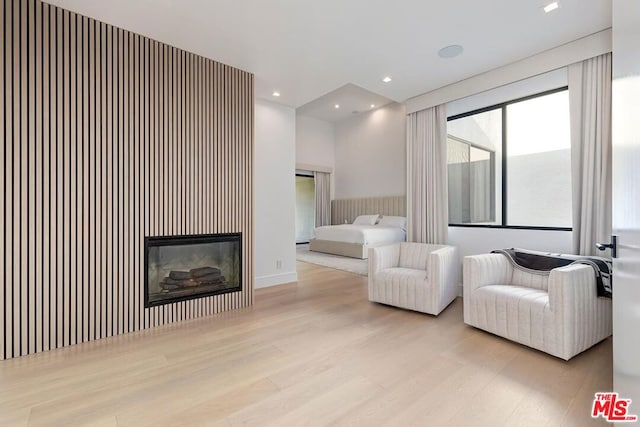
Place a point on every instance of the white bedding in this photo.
(361, 234)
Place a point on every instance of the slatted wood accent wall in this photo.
(348, 209)
(110, 136)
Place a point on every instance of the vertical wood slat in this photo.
(59, 182)
(74, 168)
(17, 136)
(110, 137)
(9, 111)
(46, 218)
(24, 218)
(108, 180)
(119, 173)
(30, 253)
(85, 285)
(101, 174)
(131, 196)
(3, 188)
(90, 53)
(11, 206)
(145, 163)
(37, 237)
(64, 177)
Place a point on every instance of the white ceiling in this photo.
(305, 49)
(352, 100)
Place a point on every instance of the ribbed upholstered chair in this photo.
(559, 313)
(416, 276)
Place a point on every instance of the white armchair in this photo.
(416, 276)
(559, 314)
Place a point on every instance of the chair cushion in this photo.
(414, 255)
(530, 280)
(518, 313)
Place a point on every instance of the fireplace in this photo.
(179, 268)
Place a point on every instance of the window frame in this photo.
(492, 164)
(503, 107)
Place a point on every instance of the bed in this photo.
(354, 240)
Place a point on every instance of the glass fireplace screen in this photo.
(179, 268)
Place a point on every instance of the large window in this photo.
(510, 165)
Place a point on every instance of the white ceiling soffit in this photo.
(349, 99)
(304, 49)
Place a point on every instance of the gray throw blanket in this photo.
(542, 263)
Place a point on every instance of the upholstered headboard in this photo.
(346, 210)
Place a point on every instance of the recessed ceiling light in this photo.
(337, 105)
(551, 6)
(450, 51)
(276, 93)
(373, 105)
(386, 79)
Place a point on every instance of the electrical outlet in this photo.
(279, 264)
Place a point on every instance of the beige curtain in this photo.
(323, 198)
(590, 107)
(427, 208)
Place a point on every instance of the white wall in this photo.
(274, 214)
(315, 146)
(529, 86)
(315, 141)
(552, 59)
(474, 241)
(370, 154)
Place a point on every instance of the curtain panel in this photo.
(323, 198)
(590, 110)
(427, 205)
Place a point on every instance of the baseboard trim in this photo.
(275, 279)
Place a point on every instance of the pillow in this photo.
(366, 219)
(393, 221)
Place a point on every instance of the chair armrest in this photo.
(485, 269)
(441, 264)
(382, 257)
(571, 286)
(443, 268)
(482, 270)
(582, 317)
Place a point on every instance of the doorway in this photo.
(305, 206)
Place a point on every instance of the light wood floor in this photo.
(312, 353)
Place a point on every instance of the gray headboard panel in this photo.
(346, 210)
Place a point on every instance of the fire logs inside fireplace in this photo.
(195, 277)
(179, 268)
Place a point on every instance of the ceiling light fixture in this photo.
(373, 105)
(276, 93)
(550, 7)
(450, 51)
(386, 79)
(337, 105)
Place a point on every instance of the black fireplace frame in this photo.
(154, 241)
